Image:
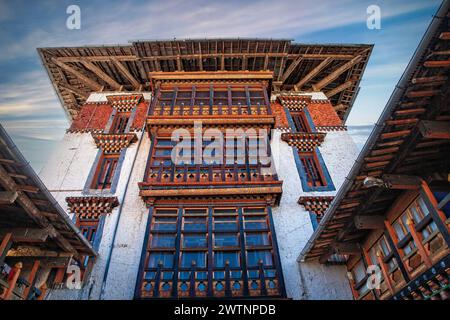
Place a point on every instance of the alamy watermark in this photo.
(73, 21)
(373, 21)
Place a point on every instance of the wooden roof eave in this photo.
(59, 217)
(353, 177)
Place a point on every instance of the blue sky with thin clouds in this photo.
(33, 115)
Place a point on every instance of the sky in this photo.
(33, 116)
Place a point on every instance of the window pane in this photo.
(225, 223)
(359, 272)
(164, 223)
(221, 257)
(225, 240)
(194, 224)
(156, 257)
(194, 241)
(254, 257)
(423, 206)
(257, 239)
(188, 257)
(384, 247)
(163, 241)
(415, 213)
(255, 222)
(399, 230)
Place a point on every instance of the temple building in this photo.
(229, 225)
(390, 220)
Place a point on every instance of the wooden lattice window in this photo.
(89, 229)
(120, 122)
(300, 122)
(105, 172)
(202, 251)
(313, 172)
(211, 99)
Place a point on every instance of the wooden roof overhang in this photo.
(412, 138)
(28, 211)
(332, 68)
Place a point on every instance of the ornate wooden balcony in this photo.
(200, 174)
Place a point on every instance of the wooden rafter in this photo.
(125, 72)
(74, 90)
(291, 68)
(88, 81)
(102, 75)
(339, 89)
(336, 73)
(314, 72)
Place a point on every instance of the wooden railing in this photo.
(206, 110)
(196, 283)
(208, 174)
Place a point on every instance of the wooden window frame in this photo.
(120, 123)
(313, 169)
(110, 163)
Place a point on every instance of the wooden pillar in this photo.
(385, 272)
(418, 242)
(426, 189)
(4, 245)
(12, 282)
(43, 289)
(31, 278)
(352, 285)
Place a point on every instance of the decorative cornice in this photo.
(331, 128)
(91, 208)
(294, 102)
(317, 205)
(93, 131)
(304, 141)
(125, 103)
(113, 143)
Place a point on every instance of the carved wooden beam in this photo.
(8, 197)
(369, 222)
(88, 81)
(126, 72)
(435, 129)
(346, 248)
(102, 75)
(27, 234)
(336, 73)
(33, 251)
(401, 182)
(314, 72)
(339, 88)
